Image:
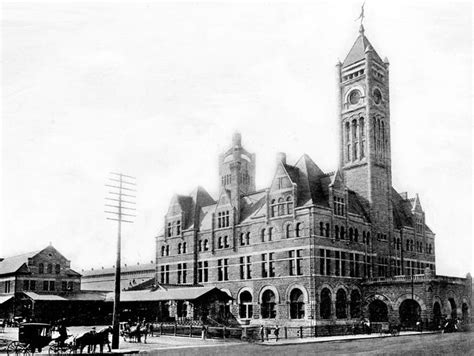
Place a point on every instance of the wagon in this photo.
(31, 337)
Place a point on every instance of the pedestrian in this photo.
(262, 333)
(277, 333)
(204, 332)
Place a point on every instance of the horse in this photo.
(92, 339)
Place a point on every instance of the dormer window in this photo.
(419, 224)
(289, 204)
(339, 206)
(178, 227)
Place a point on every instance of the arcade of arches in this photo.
(339, 303)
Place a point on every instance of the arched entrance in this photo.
(296, 304)
(378, 311)
(355, 304)
(245, 305)
(325, 305)
(465, 312)
(454, 312)
(341, 303)
(410, 312)
(268, 309)
(436, 314)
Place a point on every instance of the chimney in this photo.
(237, 139)
(281, 157)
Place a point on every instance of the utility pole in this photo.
(119, 204)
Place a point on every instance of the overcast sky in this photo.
(155, 90)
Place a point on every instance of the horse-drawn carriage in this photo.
(31, 337)
(36, 336)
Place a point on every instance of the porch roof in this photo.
(190, 293)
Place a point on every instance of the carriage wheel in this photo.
(12, 348)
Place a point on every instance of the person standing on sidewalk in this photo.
(262, 333)
(277, 333)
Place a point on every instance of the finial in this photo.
(368, 49)
(361, 29)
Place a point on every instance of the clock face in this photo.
(354, 97)
(377, 96)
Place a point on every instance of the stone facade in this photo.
(316, 248)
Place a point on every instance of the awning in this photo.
(190, 293)
(5, 298)
(44, 297)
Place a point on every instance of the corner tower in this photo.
(364, 128)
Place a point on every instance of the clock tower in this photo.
(364, 128)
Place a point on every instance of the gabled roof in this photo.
(357, 52)
(309, 184)
(13, 264)
(201, 197)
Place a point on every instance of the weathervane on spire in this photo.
(361, 16)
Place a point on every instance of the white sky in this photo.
(155, 90)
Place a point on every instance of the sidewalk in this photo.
(338, 338)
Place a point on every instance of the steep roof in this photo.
(403, 211)
(187, 293)
(357, 52)
(14, 263)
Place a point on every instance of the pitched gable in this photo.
(337, 181)
(284, 177)
(309, 185)
(224, 199)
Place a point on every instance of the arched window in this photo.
(298, 229)
(219, 242)
(296, 304)
(355, 304)
(341, 304)
(262, 235)
(348, 142)
(245, 305)
(288, 231)
(226, 241)
(57, 268)
(200, 245)
(343, 233)
(247, 238)
(41, 268)
(325, 305)
(179, 248)
(354, 140)
(242, 239)
(408, 245)
(368, 238)
(50, 268)
(289, 205)
(169, 230)
(281, 207)
(336, 232)
(178, 227)
(273, 207)
(167, 250)
(163, 249)
(206, 245)
(321, 228)
(351, 234)
(356, 235)
(268, 305)
(362, 137)
(184, 247)
(270, 233)
(327, 230)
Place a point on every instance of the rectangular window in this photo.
(245, 268)
(45, 285)
(26, 284)
(357, 269)
(351, 265)
(291, 266)
(339, 206)
(162, 274)
(325, 262)
(337, 258)
(343, 263)
(180, 271)
(51, 286)
(32, 285)
(264, 265)
(7, 287)
(271, 268)
(226, 269)
(200, 272)
(219, 270)
(185, 273)
(206, 272)
(167, 274)
(299, 262)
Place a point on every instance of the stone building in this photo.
(316, 248)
